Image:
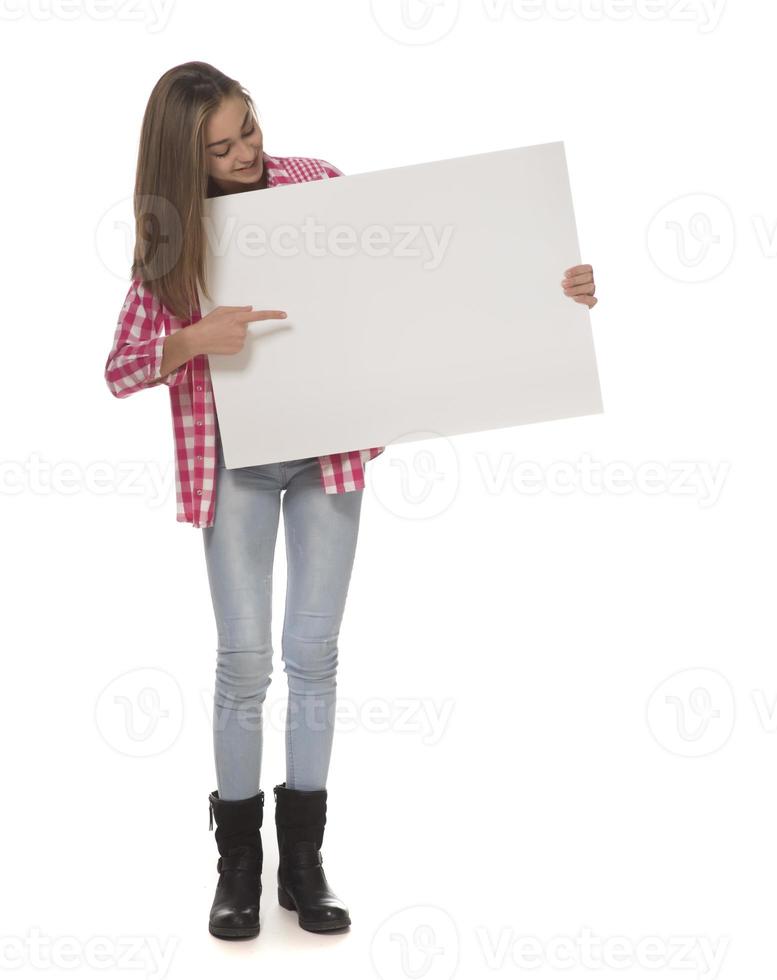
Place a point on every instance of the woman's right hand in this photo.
(223, 330)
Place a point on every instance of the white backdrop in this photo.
(557, 663)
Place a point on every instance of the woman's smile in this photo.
(254, 166)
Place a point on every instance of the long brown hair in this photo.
(172, 181)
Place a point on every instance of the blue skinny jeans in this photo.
(321, 531)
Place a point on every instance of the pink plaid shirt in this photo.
(136, 357)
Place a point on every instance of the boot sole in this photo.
(233, 932)
(287, 902)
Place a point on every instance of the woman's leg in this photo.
(239, 550)
(321, 531)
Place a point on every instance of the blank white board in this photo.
(420, 299)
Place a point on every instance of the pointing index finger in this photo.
(264, 315)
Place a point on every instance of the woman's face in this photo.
(233, 147)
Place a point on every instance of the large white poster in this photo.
(420, 299)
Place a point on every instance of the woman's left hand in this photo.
(578, 283)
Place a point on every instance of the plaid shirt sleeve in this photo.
(329, 170)
(138, 345)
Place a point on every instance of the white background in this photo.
(603, 658)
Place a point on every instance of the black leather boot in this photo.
(300, 816)
(235, 909)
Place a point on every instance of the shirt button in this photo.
(199, 387)
(199, 493)
(199, 421)
(199, 457)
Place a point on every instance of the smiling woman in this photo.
(234, 149)
(200, 137)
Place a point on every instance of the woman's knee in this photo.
(243, 675)
(310, 660)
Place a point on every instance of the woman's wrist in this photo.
(179, 348)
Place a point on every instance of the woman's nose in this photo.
(247, 151)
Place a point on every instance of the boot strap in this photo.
(241, 858)
(241, 863)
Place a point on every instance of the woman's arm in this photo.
(144, 354)
(177, 351)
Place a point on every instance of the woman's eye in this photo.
(227, 151)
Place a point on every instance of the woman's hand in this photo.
(223, 330)
(579, 284)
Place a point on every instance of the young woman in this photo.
(200, 138)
